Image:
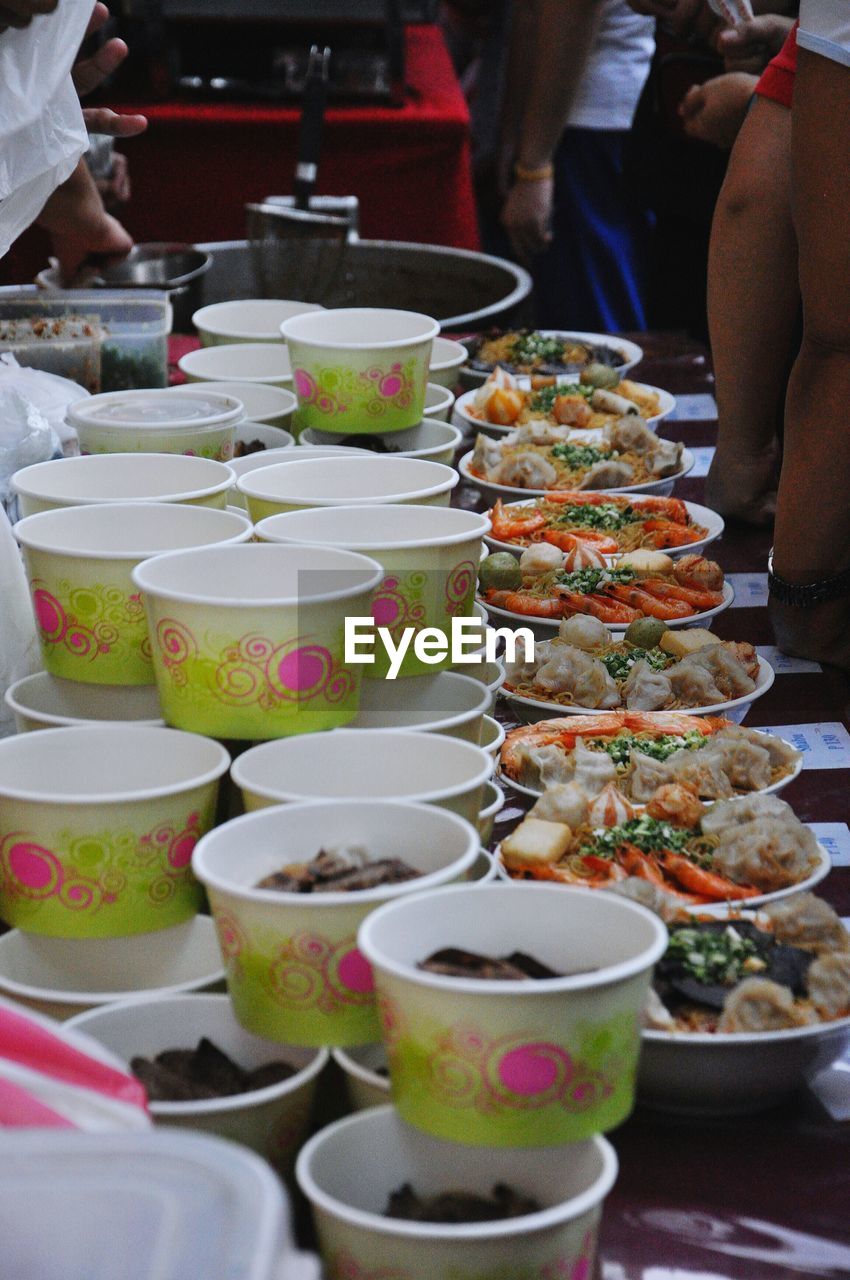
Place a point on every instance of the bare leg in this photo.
(753, 299)
(813, 510)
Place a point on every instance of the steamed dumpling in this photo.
(828, 982)
(581, 630)
(592, 770)
(566, 802)
(770, 853)
(733, 813)
(524, 471)
(806, 921)
(645, 689)
(543, 766)
(586, 679)
(539, 559)
(608, 475)
(757, 1004)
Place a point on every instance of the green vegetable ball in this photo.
(500, 572)
(645, 633)
(600, 375)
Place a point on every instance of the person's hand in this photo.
(79, 225)
(115, 190)
(751, 45)
(20, 13)
(714, 112)
(90, 73)
(744, 488)
(526, 216)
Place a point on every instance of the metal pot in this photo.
(461, 289)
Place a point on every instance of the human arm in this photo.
(714, 111)
(753, 299)
(559, 35)
(812, 536)
(79, 225)
(750, 45)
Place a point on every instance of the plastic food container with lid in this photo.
(158, 421)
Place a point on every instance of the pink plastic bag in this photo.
(52, 1077)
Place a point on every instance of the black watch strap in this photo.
(812, 593)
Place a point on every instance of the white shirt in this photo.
(616, 70)
(825, 29)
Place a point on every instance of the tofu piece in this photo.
(536, 841)
(681, 643)
(646, 564)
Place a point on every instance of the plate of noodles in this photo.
(548, 351)
(510, 470)
(640, 751)
(613, 522)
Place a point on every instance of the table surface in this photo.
(764, 1197)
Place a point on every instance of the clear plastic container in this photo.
(103, 339)
(142, 1206)
(158, 421)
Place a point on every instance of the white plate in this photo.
(547, 629)
(632, 354)
(533, 710)
(464, 403)
(773, 788)
(698, 514)
(719, 908)
(660, 488)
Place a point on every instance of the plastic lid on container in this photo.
(158, 1205)
(158, 410)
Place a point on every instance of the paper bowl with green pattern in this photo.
(97, 828)
(202, 425)
(360, 479)
(431, 439)
(248, 641)
(79, 561)
(429, 556)
(517, 1063)
(360, 369)
(349, 1170)
(293, 970)
(122, 477)
(272, 1120)
(381, 764)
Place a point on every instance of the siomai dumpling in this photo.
(665, 458)
(608, 475)
(586, 679)
(524, 471)
(648, 774)
(645, 689)
(592, 770)
(828, 982)
(734, 813)
(770, 853)
(746, 764)
(539, 559)
(702, 771)
(543, 766)
(581, 630)
(757, 1004)
(566, 802)
(693, 684)
(806, 921)
(630, 434)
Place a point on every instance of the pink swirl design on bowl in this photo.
(110, 613)
(310, 971)
(397, 603)
(344, 1266)
(231, 937)
(460, 588)
(305, 385)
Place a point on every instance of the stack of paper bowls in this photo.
(202, 424)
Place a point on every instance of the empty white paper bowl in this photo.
(381, 764)
(349, 1170)
(447, 356)
(272, 1121)
(261, 401)
(251, 645)
(122, 477)
(438, 402)
(445, 703)
(64, 981)
(239, 362)
(89, 615)
(44, 701)
(247, 320)
(432, 439)
(338, 482)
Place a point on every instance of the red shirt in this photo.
(777, 81)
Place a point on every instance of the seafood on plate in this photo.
(611, 522)
(540, 456)
(639, 752)
(647, 668)
(786, 966)
(528, 351)
(736, 850)
(580, 580)
(585, 405)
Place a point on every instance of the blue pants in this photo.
(595, 273)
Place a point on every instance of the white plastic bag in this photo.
(42, 132)
(50, 394)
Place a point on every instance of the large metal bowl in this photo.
(461, 289)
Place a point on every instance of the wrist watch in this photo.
(812, 593)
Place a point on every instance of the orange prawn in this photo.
(706, 883)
